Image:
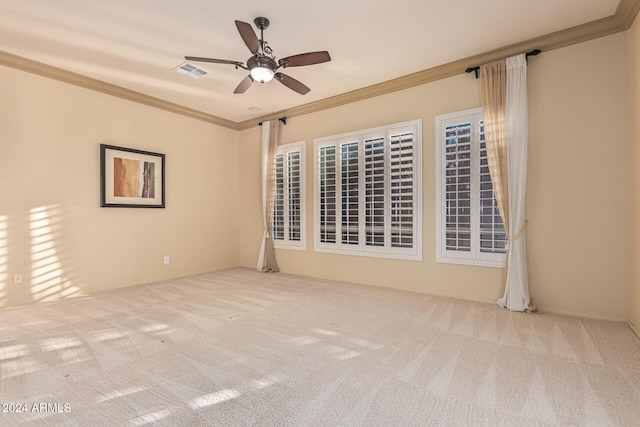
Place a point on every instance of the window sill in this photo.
(473, 262)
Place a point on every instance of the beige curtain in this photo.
(493, 83)
(504, 101)
(267, 262)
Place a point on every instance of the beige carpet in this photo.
(242, 348)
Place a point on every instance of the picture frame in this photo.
(131, 178)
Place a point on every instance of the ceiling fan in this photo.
(262, 66)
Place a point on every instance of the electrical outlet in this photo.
(166, 259)
(17, 279)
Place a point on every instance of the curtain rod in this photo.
(526, 56)
(282, 119)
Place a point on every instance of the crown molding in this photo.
(626, 12)
(34, 67)
(622, 20)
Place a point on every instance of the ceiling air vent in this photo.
(190, 71)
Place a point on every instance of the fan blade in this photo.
(292, 83)
(244, 84)
(309, 58)
(248, 36)
(215, 61)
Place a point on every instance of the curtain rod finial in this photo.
(282, 119)
(472, 69)
(534, 52)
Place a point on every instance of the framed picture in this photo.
(131, 178)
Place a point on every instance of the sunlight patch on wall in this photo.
(48, 278)
(4, 261)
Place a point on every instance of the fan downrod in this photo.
(261, 22)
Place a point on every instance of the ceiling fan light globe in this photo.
(262, 74)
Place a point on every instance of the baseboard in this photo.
(565, 313)
(585, 316)
(633, 328)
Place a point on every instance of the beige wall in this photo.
(577, 201)
(577, 193)
(634, 168)
(52, 229)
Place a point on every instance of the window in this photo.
(469, 226)
(367, 192)
(288, 230)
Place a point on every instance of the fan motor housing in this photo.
(262, 61)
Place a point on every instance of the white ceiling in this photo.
(135, 44)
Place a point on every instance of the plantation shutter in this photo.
(469, 222)
(349, 193)
(458, 186)
(294, 196)
(402, 190)
(366, 194)
(288, 210)
(493, 237)
(278, 206)
(374, 177)
(328, 190)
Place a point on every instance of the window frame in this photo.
(361, 248)
(475, 256)
(287, 243)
